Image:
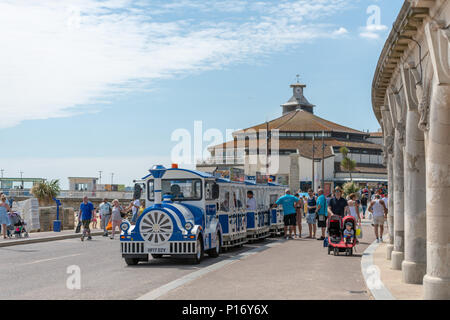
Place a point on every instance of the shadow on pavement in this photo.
(185, 263)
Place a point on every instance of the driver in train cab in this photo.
(288, 202)
(251, 202)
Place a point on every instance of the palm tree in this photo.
(347, 163)
(46, 191)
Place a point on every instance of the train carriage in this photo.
(180, 218)
(189, 213)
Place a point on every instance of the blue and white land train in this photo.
(189, 213)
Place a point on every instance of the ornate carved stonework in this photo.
(424, 108)
(400, 130)
(438, 38)
(411, 162)
(389, 144)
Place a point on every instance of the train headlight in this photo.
(125, 226)
(188, 226)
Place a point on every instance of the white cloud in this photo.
(57, 57)
(372, 31)
(340, 31)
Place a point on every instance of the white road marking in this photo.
(371, 275)
(51, 259)
(158, 292)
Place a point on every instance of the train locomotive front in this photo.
(180, 219)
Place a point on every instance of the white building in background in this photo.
(298, 131)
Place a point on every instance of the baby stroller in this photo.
(16, 226)
(336, 241)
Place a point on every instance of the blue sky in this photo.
(94, 85)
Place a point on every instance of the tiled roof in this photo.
(302, 121)
(360, 168)
(304, 146)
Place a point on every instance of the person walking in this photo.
(4, 219)
(364, 204)
(86, 214)
(354, 208)
(311, 216)
(379, 213)
(105, 215)
(288, 202)
(299, 213)
(117, 210)
(322, 213)
(338, 205)
(134, 206)
(305, 206)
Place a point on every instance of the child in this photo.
(94, 219)
(348, 233)
(141, 209)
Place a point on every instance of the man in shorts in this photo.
(379, 212)
(321, 213)
(105, 213)
(288, 202)
(311, 216)
(86, 214)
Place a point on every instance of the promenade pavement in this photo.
(35, 237)
(392, 279)
(285, 270)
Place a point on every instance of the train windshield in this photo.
(178, 189)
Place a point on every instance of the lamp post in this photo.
(323, 161)
(21, 177)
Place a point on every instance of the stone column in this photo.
(388, 131)
(414, 265)
(436, 282)
(399, 244)
(294, 172)
(390, 246)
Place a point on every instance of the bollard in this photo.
(57, 222)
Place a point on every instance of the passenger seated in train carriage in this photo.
(237, 202)
(251, 201)
(225, 204)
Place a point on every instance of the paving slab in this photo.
(35, 237)
(292, 270)
(392, 279)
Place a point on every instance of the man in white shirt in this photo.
(105, 215)
(251, 202)
(134, 206)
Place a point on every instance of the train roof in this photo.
(201, 174)
(206, 175)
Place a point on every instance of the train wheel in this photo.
(156, 256)
(214, 253)
(197, 258)
(131, 261)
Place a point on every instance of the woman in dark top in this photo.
(311, 217)
(364, 204)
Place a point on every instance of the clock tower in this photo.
(298, 100)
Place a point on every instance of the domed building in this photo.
(289, 148)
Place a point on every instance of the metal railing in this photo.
(222, 160)
(76, 194)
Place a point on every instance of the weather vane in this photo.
(298, 78)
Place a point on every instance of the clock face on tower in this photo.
(298, 90)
